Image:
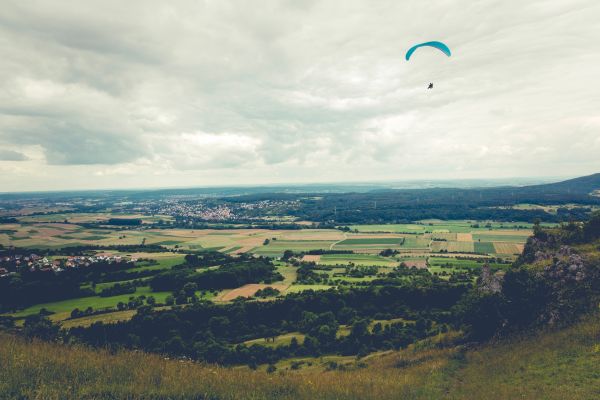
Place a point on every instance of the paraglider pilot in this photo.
(430, 86)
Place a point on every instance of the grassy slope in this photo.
(556, 365)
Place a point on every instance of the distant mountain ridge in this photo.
(583, 185)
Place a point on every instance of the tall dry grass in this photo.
(39, 370)
(555, 365)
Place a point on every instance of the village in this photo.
(11, 264)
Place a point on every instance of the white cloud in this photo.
(220, 92)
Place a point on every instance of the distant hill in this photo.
(582, 185)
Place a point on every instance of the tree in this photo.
(121, 306)
(360, 329)
(38, 326)
(150, 300)
(219, 325)
(287, 254)
(271, 368)
(190, 288)
(169, 300)
(181, 298)
(591, 229)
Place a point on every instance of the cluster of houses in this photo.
(34, 262)
(196, 210)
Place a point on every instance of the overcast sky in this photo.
(117, 94)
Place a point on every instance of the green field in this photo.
(281, 340)
(415, 242)
(95, 302)
(392, 241)
(484, 247)
(162, 262)
(357, 259)
(302, 288)
(490, 237)
(457, 263)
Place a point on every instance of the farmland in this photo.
(51, 231)
(439, 246)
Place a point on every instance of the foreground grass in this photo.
(556, 365)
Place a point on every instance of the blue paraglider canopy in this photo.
(438, 45)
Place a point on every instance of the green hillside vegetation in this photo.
(559, 364)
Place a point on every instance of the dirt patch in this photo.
(366, 251)
(464, 237)
(311, 258)
(415, 263)
(248, 291)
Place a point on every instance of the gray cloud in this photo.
(10, 155)
(299, 91)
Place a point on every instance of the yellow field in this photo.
(248, 291)
(464, 237)
(507, 248)
(455, 247)
(311, 258)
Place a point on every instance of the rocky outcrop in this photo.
(489, 282)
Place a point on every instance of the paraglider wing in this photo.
(438, 45)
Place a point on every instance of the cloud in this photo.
(193, 93)
(10, 155)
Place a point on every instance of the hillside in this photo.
(584, 185)
(558, 364)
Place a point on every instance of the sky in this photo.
(132, 94)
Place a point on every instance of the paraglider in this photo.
(438, 45)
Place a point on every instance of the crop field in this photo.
(248, 291)
(508, 248)
(460, 263)
(414, 262)
(430, 236)
(276, 248)
(311, 258)
(460, 247)
(368, 241)
(507, 236)
(78, 218)
(357, 259)
(442, 235)
(302, 288)
(415, 242)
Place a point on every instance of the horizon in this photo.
(106, 96)
(450, 183)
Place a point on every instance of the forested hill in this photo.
(583, 185)
(403, 205)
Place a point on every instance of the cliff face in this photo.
(570, 280)
(488, 282)
(554, 281)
